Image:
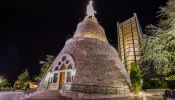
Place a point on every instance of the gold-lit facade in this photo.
(129, 33)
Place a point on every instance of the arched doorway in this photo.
(62, 76)
(64, 71)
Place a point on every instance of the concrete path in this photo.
(16, 96)
(10, 95)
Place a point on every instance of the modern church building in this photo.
(129, 33)
(88, 64)
(88, 67)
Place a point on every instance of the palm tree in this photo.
(45, 66)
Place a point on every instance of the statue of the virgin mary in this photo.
(90, 10)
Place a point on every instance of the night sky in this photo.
(31, 29)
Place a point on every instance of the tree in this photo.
(5, 83)
(158, 46)
(45, 66)
(135, 78)
(24, 78)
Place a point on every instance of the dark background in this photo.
(31, 29)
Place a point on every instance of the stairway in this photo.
(45, 95)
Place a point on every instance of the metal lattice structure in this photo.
(129, 33)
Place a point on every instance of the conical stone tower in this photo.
(94, 62)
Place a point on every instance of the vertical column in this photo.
(65, 78)
(133, 40)
(139, 35)
(119, 47)
(125, 60)
(58, 80)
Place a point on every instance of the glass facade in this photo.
(128, 41)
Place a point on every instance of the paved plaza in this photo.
(10, 95)
(137, 98)
(16, 96)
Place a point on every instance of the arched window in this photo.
(63, 62)
(64, 58)
(59, 63)
(56, 68)
(67, 62)
(63, 67)
(69, 67)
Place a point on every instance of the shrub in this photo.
(135, 78)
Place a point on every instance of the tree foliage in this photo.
(158, 49)
(5, 83)
(135, 78)
(24, 78)
(172, 77)
(45, 66)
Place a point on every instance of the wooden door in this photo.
(62, 78)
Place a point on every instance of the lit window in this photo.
(55, 77)
(69, 76)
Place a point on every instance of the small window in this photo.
(59, 63)
(69, 67)
(55, 77)
(67, 62)
(64, 58)
(56, 68)
(69, 76)
(50, 79)
(63, 67)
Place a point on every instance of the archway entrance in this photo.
(62, 79)
(65, 70)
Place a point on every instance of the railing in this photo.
(155, 90)
(6, 89)
(96, 89)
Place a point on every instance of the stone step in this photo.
(47, 96)
(48, 93)
(26, 96)
(47, 99)
(45, 93)
(37, 92)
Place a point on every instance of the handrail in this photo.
(42, 80)
(95, 89)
